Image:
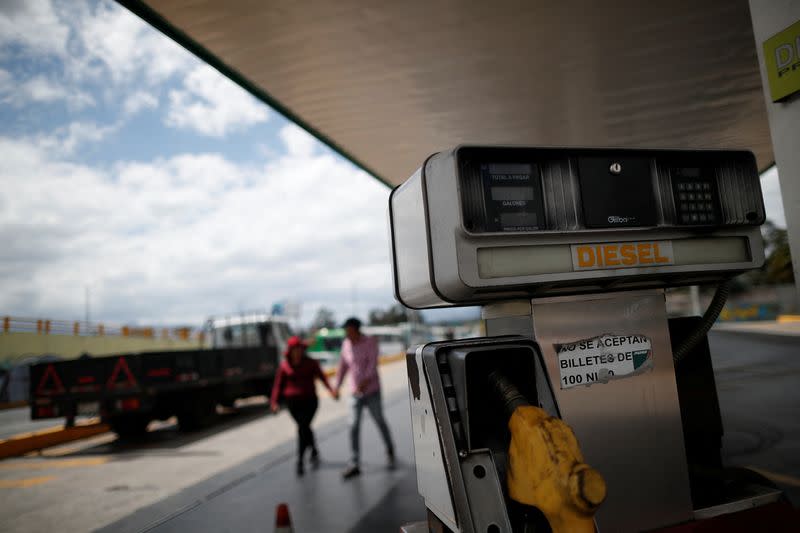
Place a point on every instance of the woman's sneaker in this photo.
(351, 472)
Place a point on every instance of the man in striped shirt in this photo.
(360, 358)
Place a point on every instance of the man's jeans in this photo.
(373, 403)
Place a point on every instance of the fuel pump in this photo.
(585, 406)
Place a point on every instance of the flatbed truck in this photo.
(130, 390)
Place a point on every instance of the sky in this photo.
(132, 169)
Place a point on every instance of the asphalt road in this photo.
(758, 383)
(231, 477)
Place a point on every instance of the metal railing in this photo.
(43, 326)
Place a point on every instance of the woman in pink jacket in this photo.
(295, 386)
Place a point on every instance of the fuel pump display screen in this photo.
(513, 195)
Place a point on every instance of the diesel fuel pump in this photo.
(585, 406)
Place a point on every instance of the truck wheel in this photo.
(129, 426)
(197, 416)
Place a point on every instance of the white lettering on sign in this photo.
(608, 255)
(603, 358)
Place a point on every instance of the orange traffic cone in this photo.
(283, 522)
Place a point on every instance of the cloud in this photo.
(65, 140)
(34, 26)
(80, 51)
(40, 89)
(212, 105)
(125, 47)
(139, 101)
(298, 141)
(93, 42)
(6, 81)
(177, 239)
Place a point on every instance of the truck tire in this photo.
(129, 427)
(198, 415)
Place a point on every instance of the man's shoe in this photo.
(351, 472)
(314, 459)
(300, 469)
(391, 462)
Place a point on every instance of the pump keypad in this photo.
(696, 201)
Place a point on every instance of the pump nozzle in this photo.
(545, 464)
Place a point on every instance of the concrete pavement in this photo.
(18, 420)
(378, 500)
(121, 479)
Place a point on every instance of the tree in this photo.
(325, 318)
(395, 314)
(777, 267)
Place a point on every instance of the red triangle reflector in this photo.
(121, 367)
(50, 374)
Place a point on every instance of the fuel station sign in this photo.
(782, 59)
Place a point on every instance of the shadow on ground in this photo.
(166, 437)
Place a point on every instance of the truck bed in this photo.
(154, 382)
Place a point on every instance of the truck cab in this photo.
(249, 331)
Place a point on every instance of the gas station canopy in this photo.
(388, 83)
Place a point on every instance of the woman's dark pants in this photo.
(303, 410)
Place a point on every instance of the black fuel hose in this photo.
(507, 392)
(709, 317)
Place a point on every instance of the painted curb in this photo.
(38, 440)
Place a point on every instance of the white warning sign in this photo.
(603, 358)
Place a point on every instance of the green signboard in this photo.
(782, 56)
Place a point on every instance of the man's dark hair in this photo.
(352, 321)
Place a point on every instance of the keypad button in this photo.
(685, 219)
(682, 196)
(707, 196)
(709, 206)
(694, 217)
(684, 206)
(702, 217)
(706, 186)
(692, 196)
(681, 186)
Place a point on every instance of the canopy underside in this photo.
(389, 83)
